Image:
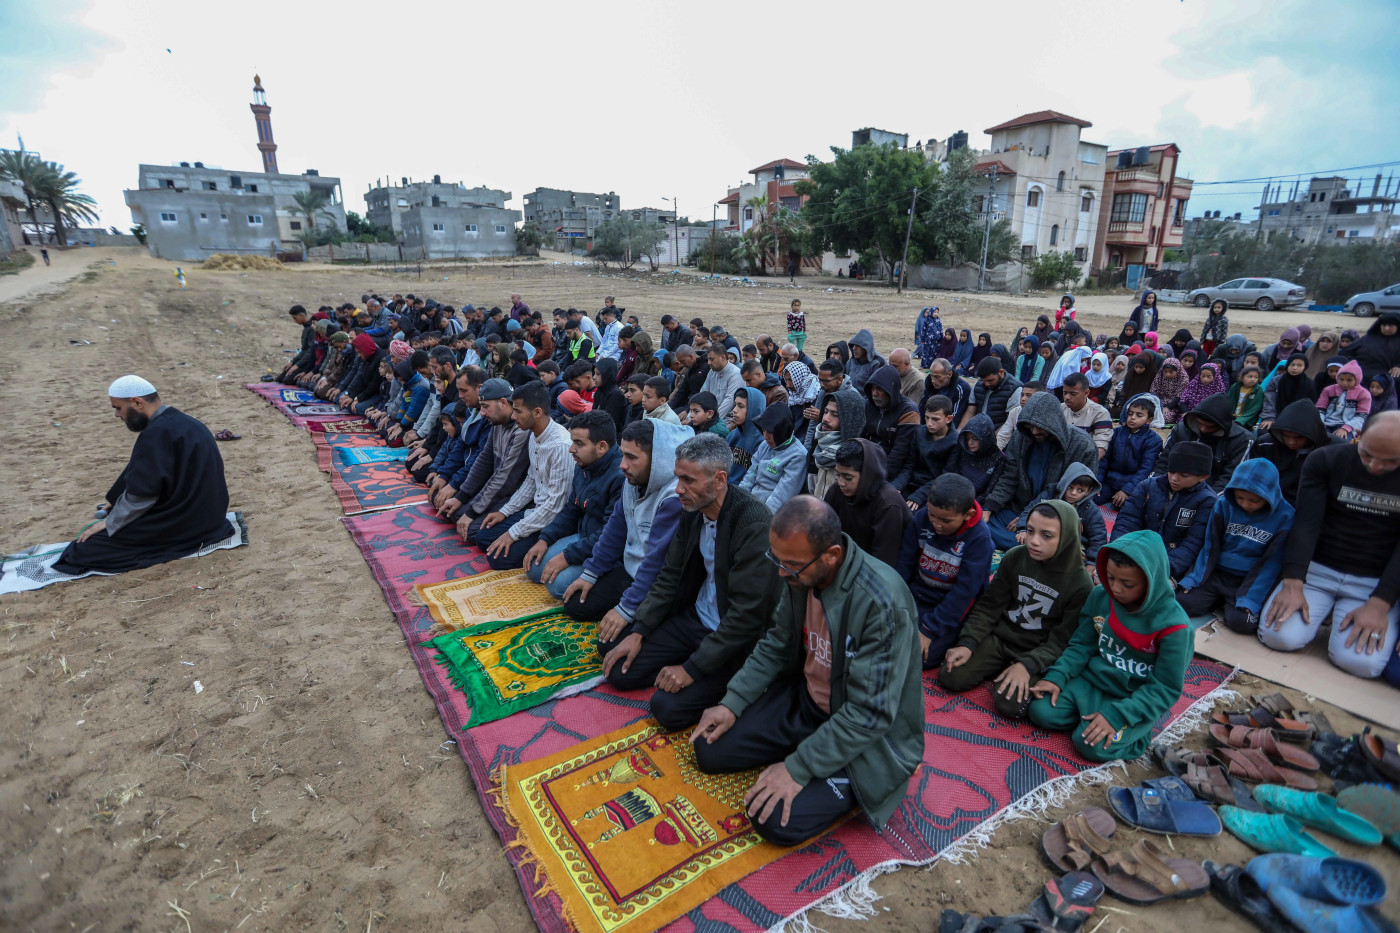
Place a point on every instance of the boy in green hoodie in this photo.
(1126, 664)
(1019, 626)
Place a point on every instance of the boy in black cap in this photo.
(1177, 506)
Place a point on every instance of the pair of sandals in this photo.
(227, 435)
(1144, 874)
(1065, 904)
(1276, 713)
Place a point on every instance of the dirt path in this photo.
(308, 786)
(65, 265)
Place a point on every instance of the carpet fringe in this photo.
(856, 899)
(411, 597)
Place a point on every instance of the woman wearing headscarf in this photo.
(1142, 370)
(1323, 349)
(1304, 337)
(948, 348)
(1190, 361)
(1286, 387)
(1030, 365)
(1117, 371)
(1130, 335)
(1072, 361)
(1179, 341)
(1200, 388)
(1149, 341)
(1385, 399)
(928, 335)
(980, 351)
(1042, 328)
(1008, 359)
(1070, 330)
(1347, 338)
(962, 356)
(1098, 376)
(1171, 379)
(1145, 314)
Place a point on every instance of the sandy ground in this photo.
(306, 787)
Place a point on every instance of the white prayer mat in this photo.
(32, 568)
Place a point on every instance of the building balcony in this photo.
(1136, 174)
(1125, 226)
(983, 216)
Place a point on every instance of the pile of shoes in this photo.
(1299, 892)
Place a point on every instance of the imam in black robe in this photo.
(176, 461)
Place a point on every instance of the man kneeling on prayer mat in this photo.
(170, 501)
(831, 698)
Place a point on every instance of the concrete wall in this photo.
(199, 229)
(421, 241)
(1004, 278)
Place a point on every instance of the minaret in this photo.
(262, 115)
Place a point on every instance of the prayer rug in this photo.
(345, 426)
(370, 487)
(508, 665)
(353, 455)
(316, 409)
(327, 444)
(485, 597)
(627, 830)
(32, 568)
(297, 396)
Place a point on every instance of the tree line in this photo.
(48, 185)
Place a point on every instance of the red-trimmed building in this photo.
(1144, 207)
(773, 180)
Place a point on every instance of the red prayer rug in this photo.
(979, 769)
(372, 487)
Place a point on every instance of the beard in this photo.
(135, 421)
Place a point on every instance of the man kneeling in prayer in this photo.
(831, 698)
(170, 501)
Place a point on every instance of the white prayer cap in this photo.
(130, 387)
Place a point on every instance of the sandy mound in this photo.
(238, 263)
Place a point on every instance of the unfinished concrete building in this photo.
(569, 215)
(437, 220)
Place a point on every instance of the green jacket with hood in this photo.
(1136, 657)
(876, 728)
(1032, 607)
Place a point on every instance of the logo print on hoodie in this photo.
(1034, 601)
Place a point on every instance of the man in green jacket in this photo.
(712, 598)
(831, 699)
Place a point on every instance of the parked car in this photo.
(1264, 294)
(1369, 304)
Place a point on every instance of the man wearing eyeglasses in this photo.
(831, 698)
(711, 600)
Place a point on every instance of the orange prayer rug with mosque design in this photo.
(626, 830)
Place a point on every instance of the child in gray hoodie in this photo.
(1077, 487)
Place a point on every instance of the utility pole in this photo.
(714, 216)
(675, 202)
(987, 230)
(904, 261)
(1263, 199)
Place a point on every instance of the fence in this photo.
(1008, 277)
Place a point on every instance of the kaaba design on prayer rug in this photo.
(514, 664)
(484, 597)
(628, 831)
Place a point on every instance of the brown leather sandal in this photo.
(1289, 730)
(1073, 844)
(1266, 742)
(1381, 754)
(1252, 765)
(1144, 875)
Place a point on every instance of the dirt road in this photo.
(307, 787)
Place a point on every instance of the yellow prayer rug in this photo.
(484, 597)
(628, 832)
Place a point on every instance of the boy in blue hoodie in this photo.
(1125, 667)
(946, 557)
(1132, 452)
(1077, 487)
(1243, 552)
(1176, 506)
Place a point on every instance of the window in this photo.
(255, 220)
(748, 213)
(403, 202)
(203, 217)
(1086, 203)
(437, 202)
(469, 228)
(223, 217)
(438, 228)
(1027, 252)
(235, 181)
(167, 183)
(1060, 182)
(1129, 208)
(1081, 254)
(1322, 197)
(253, 189)
(1033, 197)
(210, 186)
(1160, 190)
(1313, 197)
(1352, 233)
(1273, 213)
(1152, 236)
(167, 217)
(295, 225)
(1054, 234)
(500, 229)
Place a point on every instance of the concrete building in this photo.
(191, 211)
(1143, 213)
(569, 215)
(772, 180)
(650, 215)
(682, 241)
(437, 220)
(1332, 209)
(12, 203)
(1045, 179)
(386, 205)
(870, 136)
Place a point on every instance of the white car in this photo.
(1369, 304)
(1263, 294)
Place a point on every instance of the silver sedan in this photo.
(1368, 304)
(1263, 294)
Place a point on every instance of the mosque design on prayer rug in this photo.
(370, 487)
(346, 426)
(628, 831)
(314, 408)
(513, 664)
(485, 598)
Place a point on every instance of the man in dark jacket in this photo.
(689, 380)
(831, 699)
(992, 395)
(608, 396)
(1212, 423)
(870, 510)
(305, 353)
(890, 419)
(943, 380)
(712, 599)
(674, 334)
(1295, 433)
(1043, 447)
(864, 362)
(556, 559)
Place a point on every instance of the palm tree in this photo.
(761, 234)
(24, 169)
(311, 204)
(59, 188)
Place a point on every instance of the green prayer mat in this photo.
(508, 665)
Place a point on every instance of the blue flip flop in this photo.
(1150, 808)
(1334, 880)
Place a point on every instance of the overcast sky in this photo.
(681, 99)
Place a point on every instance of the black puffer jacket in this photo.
(1300, 417)
(893, 426)
(994, 402)
(1228, 445)
(1376, 352)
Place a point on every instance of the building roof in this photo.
(982, 168)
(731, 198)
(1160, 147)
(1040, 116)
(785, 163)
